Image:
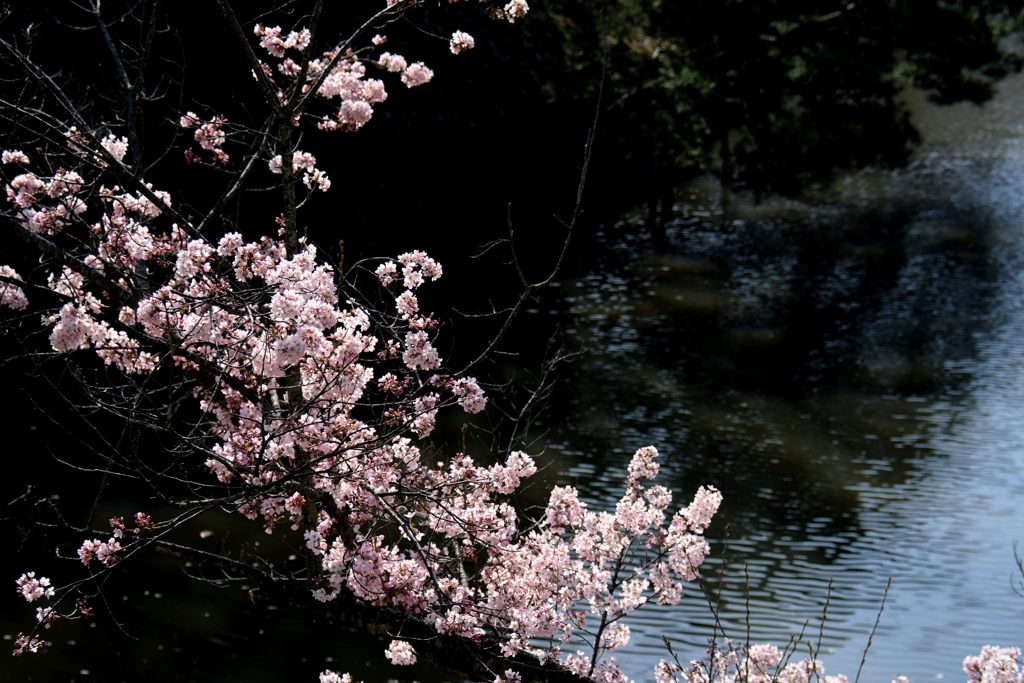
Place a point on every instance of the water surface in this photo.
(849, 371)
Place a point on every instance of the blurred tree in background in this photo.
(773, 95)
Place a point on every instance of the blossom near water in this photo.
(313, 403)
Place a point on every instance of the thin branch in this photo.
(267, 88)
(871, 635)
(134, 142)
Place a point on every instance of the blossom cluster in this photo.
(272, 42)
(460, 42)
(994, 665)
(84, 146)
(342, 75)
(197, 298)
(210, 136)
(120, 239)
(103, 551)
(33, 589)
(24, 643)
(335, 75)
(305, 162)
(761, 663)
(108, 552)
(45, 204)
(612, 563)
(441, 542)
(11, 296)
(400, 653)
(515, 10)
(766, 663)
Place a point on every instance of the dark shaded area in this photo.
(772, 96)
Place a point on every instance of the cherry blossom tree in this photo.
(301, 394)
(305, 397)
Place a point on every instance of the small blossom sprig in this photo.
(400, 653)
(515, 10)
(109, 552)
(210, 136)
(994, 664)
(312, 177)
(460, 42)
(766, 663)
(25, 644)
(32, 588)
(342, 77)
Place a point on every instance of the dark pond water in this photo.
(850, 373)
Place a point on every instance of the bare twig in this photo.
(871, 635)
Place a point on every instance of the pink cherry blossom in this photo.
(331, 677)
(392, 62)
(116, 146)
(643, 465)
(425, 411)
(273, 43)
(401, 653)
(387, 272)
(33, 589)
(460, 42)
(469, 395)
(23, 644)
(25, 189)
(994, 665)
(104, 552)
(14, 156)
(416, 74)
(290, 350)
(419, 353)
(352, 115)
(705, 504)
(209, 135)
(305, 162)
(46, 616)
(11, 296)
(516, 9)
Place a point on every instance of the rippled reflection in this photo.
(849, 374)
